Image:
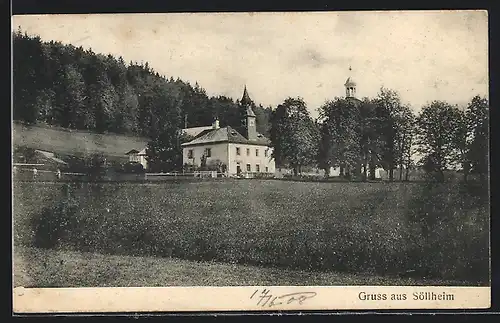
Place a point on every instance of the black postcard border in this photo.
(131, 6)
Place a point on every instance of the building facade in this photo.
(138, 157)
(230, 151)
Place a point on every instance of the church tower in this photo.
(350, 86)
(248, 122)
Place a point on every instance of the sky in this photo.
(423, 55)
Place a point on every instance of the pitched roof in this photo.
(50, 156)
(245, 98)
(133, 151)
(194, 131)
(226, 134)
(349, 81)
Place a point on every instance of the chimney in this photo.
(215, 124)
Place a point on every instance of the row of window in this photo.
(257, 168)
(208, 152)
(238, 152)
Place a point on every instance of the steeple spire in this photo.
(245, 98)
(248, 116)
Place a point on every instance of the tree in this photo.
(325, 149)
(478, 120)
(405, 121)
(461, 141)
(28, 76)
(294, 135)
(409, 144)
(164, 151)
(68, 86)
(389, 110)
(436, 132)
(340, 135)
(370, 142)
(96, 166)
(72, 99)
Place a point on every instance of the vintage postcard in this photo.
(250, 161)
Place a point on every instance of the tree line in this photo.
(359, 136)
(63, 85)
(72, 87)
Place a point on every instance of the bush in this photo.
(55, 221)
(133, 168)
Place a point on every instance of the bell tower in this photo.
(350, 86)
(248, 121)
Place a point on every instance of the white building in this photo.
(138, 157)
(241, 154)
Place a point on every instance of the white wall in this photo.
(138, 158)
(335, 171)
(243, 159)
(218, 151)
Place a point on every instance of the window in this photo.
(208, 152)
(265, 152)
(256, 152)
(257, 168)
(248, 168)
(190, 153)
(267, 169)
(238, 151)
(248, 151)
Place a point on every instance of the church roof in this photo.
(226, 134)
(246, 101)
(245, 98)
(349, 82)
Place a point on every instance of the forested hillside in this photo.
(72, 87)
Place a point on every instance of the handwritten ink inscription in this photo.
(266, 298)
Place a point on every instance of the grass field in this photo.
(55, 268)
(370, 229)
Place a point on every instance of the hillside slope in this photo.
(69, 142)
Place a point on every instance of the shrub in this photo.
(55, 220)
(133, 168)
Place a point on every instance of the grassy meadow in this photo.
(414, 231)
